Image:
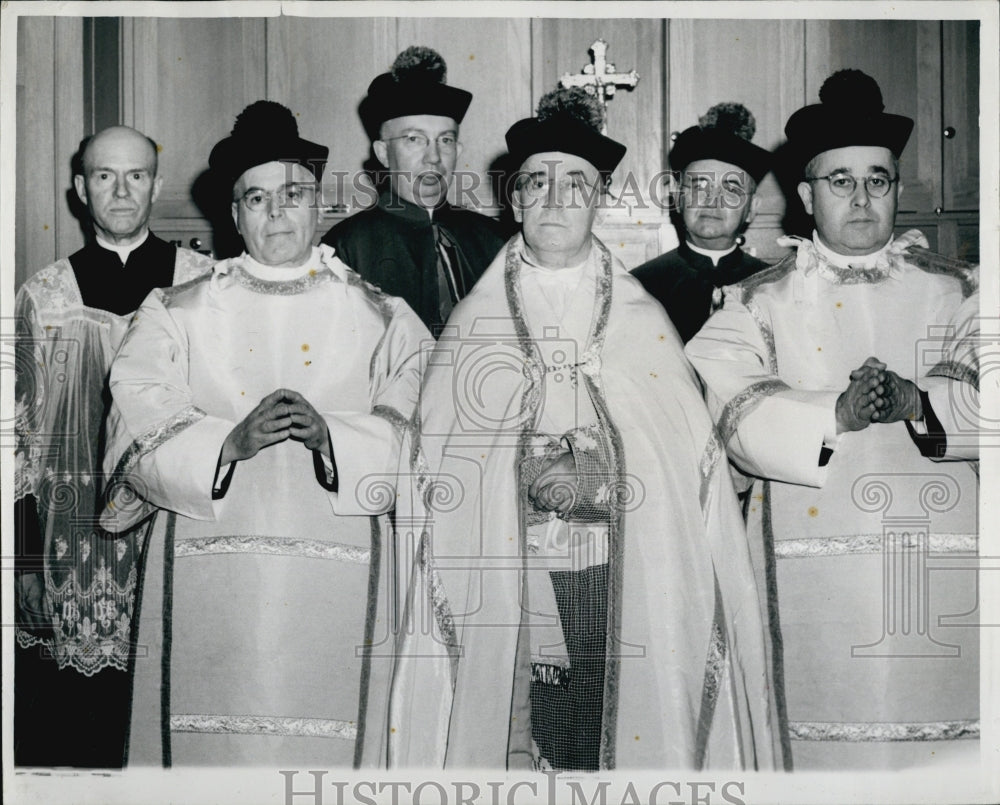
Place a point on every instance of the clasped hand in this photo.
(282, 414)
(876, 395)
(555, 488)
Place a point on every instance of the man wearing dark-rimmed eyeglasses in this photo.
(412, 243)
(257, 414)
(837, 389)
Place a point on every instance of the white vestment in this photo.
(262, 613)
(867, 560)
(684, 682)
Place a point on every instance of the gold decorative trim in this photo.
(868, 543)
(883, 732)
(264, 725)
(271, 546)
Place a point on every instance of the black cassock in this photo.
(683, 282)
(64, 717)
(394, 245)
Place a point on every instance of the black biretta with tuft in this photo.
(568, 121)
(264, 132)
(415, 85)
(850, 112)
(723, 133)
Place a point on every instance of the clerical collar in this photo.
(123, 252)
(852, 260)
(397, 205)
(715, 255)
(282, 274)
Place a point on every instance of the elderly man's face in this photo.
(859, 223)
(420, 152)
(119, 184)
(556, 202)
(717, 202)
(274, 206)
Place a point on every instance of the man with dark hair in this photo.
(861, 472)
(260, 410)
(413, 243)
(719, 170)
(588, 582)
(76, 584)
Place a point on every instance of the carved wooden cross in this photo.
(600, 79)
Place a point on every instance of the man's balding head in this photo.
(118, 182)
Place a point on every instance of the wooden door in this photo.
(184, 82)
(904, 57)
(960, 114)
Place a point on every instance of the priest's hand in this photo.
(33, 608)
(901, 400)
(308, 426)
(269, 423)
(555, 488)
(863, 397)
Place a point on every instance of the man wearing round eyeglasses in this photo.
(76, 586)
(413, 243)
(719, 172)
(837, 392)
(258, 414)
(591, 560)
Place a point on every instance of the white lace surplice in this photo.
(64, 352)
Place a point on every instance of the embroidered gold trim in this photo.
(953, 370)
(264, 725)
(714, 452)
(153, 438)
(271, 546)
(276, 287)
(740, 406)
(392, 416)
(868, 543)
(883, 732)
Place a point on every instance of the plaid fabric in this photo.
(566, 705)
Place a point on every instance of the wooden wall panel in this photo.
(635, 117)
(50, 125)
(905, 58)
(491, 58)
(761, 68)
(320, 69)
(186, 80)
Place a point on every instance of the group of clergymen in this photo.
(300, 530)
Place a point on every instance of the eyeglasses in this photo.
(844, 184)
(296, 194)
(415, 141)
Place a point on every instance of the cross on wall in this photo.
(600, 79)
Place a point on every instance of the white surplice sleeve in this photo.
(162, 448)
(951, 426)
(366, 444)
(770, 430)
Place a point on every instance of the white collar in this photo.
(851, 260)
(715, 255)
(282, 274)
(123, 252)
